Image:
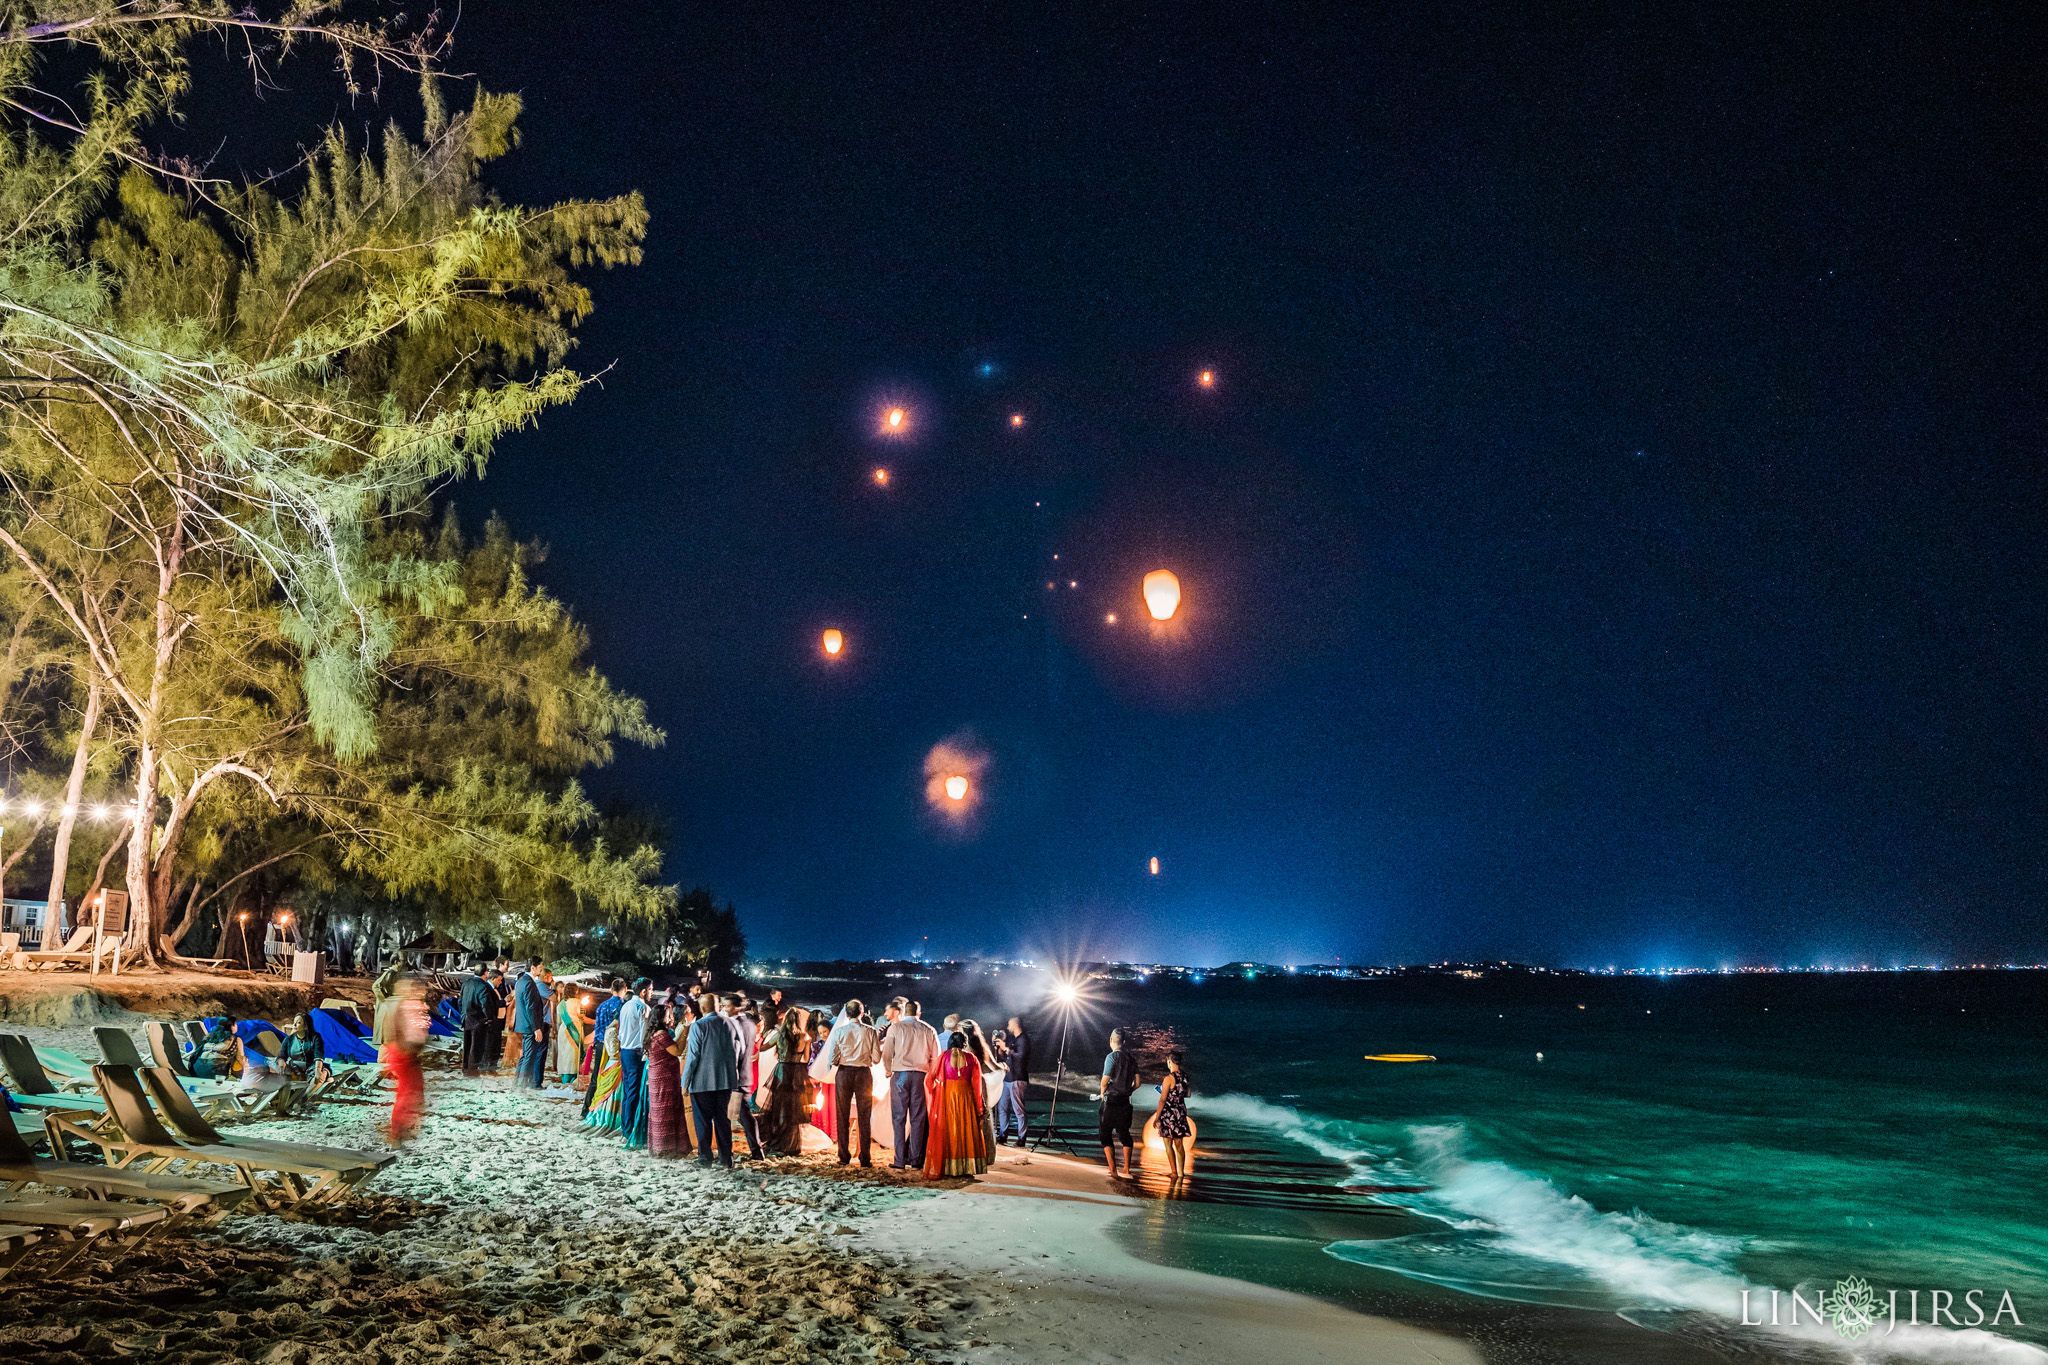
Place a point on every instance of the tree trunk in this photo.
(60, 854)
(140, 864)
(189, 889)
(99, 874)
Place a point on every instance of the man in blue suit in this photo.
(530, 1021)
(711, 1074)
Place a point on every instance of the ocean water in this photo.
(1612, 1162)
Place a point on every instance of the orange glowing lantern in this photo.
(834, 642)
(956, 788)
(895, 421)
(1016, 419)
(1162, 594)
(1155, 867)
(1207, 379)
(882, 477)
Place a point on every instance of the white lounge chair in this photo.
(78, 950)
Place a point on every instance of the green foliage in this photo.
(223, 408)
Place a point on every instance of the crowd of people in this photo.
(689, 1071)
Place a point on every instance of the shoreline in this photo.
(1040, 1227)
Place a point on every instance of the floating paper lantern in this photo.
(1155, 867)
(956, 788)
(1162, 594)
(834, 642)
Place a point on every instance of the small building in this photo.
(433, 951)
(28, 919)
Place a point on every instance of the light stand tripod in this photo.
(1065, 995)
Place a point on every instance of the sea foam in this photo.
(1510, 1234)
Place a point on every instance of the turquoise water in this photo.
(1677, 1142)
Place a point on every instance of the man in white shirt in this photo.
(632, 1049)
(852, 1051)
(740, 1108)
(909, 1051)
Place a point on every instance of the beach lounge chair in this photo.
(195, 1034)
(16, 1242)
(190, 1126)
(136, 1138)
(164, 1049)
(82, 1222)
(78, 951)
(185, 1197)
(67, 1070)
(117, 1047)
(216, 1099)
(10, 944)
(32, 1085)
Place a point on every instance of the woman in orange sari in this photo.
(958, 1142)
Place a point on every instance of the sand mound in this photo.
(63, 1007)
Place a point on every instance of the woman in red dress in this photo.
(958, 1142)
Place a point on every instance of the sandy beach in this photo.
(507, 1230)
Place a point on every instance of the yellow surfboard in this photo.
(1398, 1057)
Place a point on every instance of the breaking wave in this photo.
(1508, 1234)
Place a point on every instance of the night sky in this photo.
(1613, 536)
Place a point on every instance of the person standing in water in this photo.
(1172, 1121)
(1119, 1079)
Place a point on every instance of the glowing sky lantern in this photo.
(1162, 594)
(1155, 867)
(834, 642)
(1207, 379)
(895, 421)
(1016, 419)
(882, 477)
(956, 788)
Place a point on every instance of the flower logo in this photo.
(1852, 1307)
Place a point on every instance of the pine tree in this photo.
(214, 402)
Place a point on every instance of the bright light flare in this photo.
(1066, 993)
(833, 642)
(1162, 594)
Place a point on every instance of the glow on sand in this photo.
(1162, 594)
